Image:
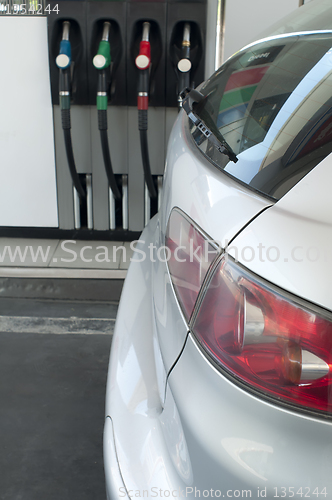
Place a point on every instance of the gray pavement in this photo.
(52, 392)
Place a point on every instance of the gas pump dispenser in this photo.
(138, 55)
(112, 73)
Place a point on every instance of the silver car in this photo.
(220, 381)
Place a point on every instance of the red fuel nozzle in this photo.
(143, 59)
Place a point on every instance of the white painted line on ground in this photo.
(73, 325)
(57, 272)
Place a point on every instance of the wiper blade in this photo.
(209, 130)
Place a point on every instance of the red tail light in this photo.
(191, 256)
(274, 343)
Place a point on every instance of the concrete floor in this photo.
(28, 257)
(52, 391)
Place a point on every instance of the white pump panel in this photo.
(27, 162)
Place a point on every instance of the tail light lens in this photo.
(281, 347)
(191, 255)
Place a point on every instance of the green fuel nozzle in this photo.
(101, 62)
(102, 59)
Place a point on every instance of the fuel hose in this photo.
(143, 61)
(101, 62)
(63, 61)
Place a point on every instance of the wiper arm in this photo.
(206, 126)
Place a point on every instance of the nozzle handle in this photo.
(184, 64)
(102, 59)
(143, 60)
(63, 59)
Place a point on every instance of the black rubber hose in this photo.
(102, 125)
(65, 115)
(143, 127)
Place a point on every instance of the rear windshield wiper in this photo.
(205, 125)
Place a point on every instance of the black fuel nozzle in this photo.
(64, 61)
(184, 64)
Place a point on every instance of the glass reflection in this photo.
(272, 103)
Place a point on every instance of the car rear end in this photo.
(219, 382)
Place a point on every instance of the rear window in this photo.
(272, 103)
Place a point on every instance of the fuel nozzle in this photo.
(102, 59)
(63, 61)
(184, 64)
(143, 59)
(102, 62)
(143, 63)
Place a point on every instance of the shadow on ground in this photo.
(52, 393)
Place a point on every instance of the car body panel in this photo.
(167, 314)
(133, 342)
(208, 194)
(237, 441)
(116, 487)
(298, 228)
(134, 398)
(217, 203)
(209, 433)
